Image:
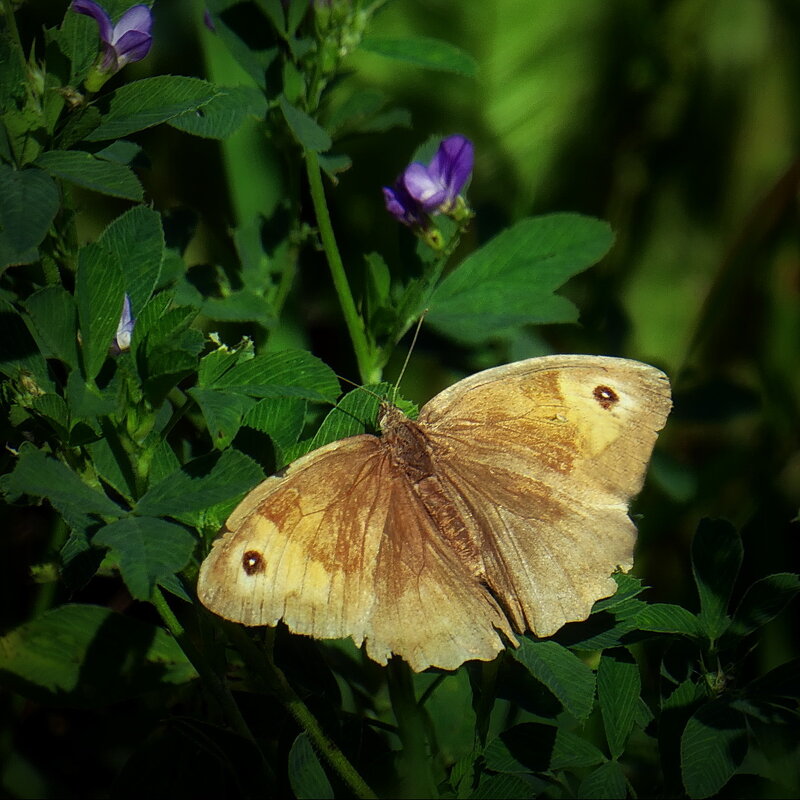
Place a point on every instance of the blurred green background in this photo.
(678, 121)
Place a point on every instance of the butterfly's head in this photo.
(388, 415)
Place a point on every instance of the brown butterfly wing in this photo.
(544, 455)
(341, 546)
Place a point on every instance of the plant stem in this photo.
(212, 681)
(277, 683)
(369, 372)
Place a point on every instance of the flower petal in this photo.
(109, 62)
(452, 164)
(422, 186)
(137, 18)
(401, 205)
(133, 46)
(91, 9)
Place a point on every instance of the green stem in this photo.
(416, 761)
(212, 681)
(277, 683)
(369, 372)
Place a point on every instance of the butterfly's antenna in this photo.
(359, 386)
(408, 356)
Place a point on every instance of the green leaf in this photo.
(716, 558)
(55, 322)
(88, 402)
(763, 601)
(628, 586)
(84, 169)
(78, 41)
(668, 618)
(147, 550)
(120, 152)
(713, 745)
(37, 475)
(89, 657)
(243, 305)
(423, 51)
(254, 62)
(281, 418)
(99, 291)
(53, 407)
(78, 126)
(200, 484)
(113, 463)
(222, 412)
(603, 629)
(287, 373)
(159, 325)
(151, 101)
(20, 358)
(607, 782)
(618, 687)
(562, 672)
(508, 787)
(356, 412)
(12, 73)
(224, 114)
(137, 239)
(216, 363)
(306, 775)
(510, 280)
(30, 202)
(305, 129)
(538, 747)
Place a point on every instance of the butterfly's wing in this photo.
(340, 545)
(543, 456)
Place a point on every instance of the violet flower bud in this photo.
(129, 40)
(422, 191)
(437, 186)
(122, 339)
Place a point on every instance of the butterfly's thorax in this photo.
(408, 448)
(410, 453)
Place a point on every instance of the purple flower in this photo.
(433, 189)
(128, 40)
(122, 339)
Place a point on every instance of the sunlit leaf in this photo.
(99, 293)
(200, 484)
(562, 672)
(150, 101)
(511, 280)
(618, 687)
(86, 170)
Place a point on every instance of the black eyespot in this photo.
(606, 396)
(253, 562)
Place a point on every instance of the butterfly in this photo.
(502, 509)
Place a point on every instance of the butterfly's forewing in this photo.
(544, 456)
(341, 546)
